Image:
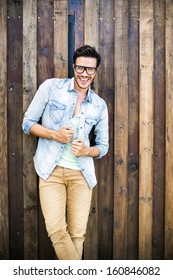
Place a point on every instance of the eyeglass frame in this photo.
(85, 68)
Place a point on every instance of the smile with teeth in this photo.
(84, 80)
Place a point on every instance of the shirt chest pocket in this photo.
(56, 111)
(89, 123)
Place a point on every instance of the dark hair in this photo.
(87, 51)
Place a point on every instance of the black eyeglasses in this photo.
(80, 69)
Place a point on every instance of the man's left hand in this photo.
(79, 149)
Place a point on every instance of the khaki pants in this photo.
(65, 199)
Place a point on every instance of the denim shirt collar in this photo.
(89, 94)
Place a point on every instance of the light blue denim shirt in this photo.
(53, 105)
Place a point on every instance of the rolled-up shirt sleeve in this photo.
(36, 107)
(102, 132)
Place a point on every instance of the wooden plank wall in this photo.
(131, 215)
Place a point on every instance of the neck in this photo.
(82, 93)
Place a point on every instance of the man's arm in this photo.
(64, 135)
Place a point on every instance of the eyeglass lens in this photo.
(80, 69)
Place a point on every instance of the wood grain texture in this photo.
(76, 8)
(105, 165)
(169, 133)
(159, 131)
(91, 37)
(121, 129)
(133, 130)
(146, 130)
(4, 222)
(45, 70)
(91, 29)
(45, 40)
(15, 135)
(61, 38)
(29, 143)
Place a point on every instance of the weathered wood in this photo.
(146, 130)
(131, 215)
(45, 40)
(61, 38)
(71, 38)
(169, 133)
(91, 20)
(15, 135)
(45, 69)
(91, 38)
(133, 131)
(76, 8)
(121, 129)
(29, 143)
(159, 131)
(91, 240)
(105, 166)
(4, 222)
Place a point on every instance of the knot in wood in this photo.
(146, 198)
(123, 192)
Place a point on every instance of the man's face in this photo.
(83, 79)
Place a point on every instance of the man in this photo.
(68, 110)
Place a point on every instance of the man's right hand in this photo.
(65, 134)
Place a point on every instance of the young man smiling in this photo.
(68, 110)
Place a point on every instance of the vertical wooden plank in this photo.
(91, 9)
(169, 133)
(105, 166)
(71, 36)
(15, 135)
(76, 8)
(91, 19)
(61, 38)
(91, 38)
(45, 40)
(29, 143)
(45, 57)
(146, 130)
(133, 131)
(121, 128)
(4, 226)
(159, 131)
(79, 23)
